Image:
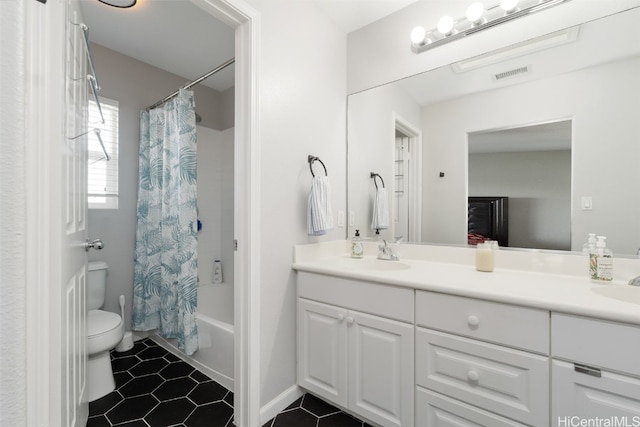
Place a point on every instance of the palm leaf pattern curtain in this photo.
(166, 253)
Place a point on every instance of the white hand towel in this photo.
(380, 218)
(319, 217)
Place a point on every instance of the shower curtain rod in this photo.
(193, 83)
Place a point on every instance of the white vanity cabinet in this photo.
(355, 346)
(595, 372)
(480, 363)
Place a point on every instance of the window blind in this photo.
(102, 174)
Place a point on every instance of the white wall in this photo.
(13, 214)
(136, 85)
(380, 53)
(372, 148)
(605, 149)
(538, 184)
(302, 111)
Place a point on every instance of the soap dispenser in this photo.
(357, 247)
(602, 261)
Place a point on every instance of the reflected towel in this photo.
(380, 218)
(319, 217)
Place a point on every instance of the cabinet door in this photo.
(322, 350)
(381, 373)
(577, 396)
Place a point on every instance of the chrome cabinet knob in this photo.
(93, 244)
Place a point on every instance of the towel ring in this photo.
(312, 159)
(377, 175)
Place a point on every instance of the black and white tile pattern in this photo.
(154, 388)
(309, 411)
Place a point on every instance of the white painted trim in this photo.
(246, 22)
(44, 95)
(415, 174)
(279, 403)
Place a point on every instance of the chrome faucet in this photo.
(386, 252)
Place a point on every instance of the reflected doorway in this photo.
(531, 166)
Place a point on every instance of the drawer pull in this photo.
(340, 317)
(473, 321)
(473, 376)
(350, 320)
(584, 369)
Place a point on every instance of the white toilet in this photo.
(104, 331)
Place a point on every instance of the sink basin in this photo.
(374, 264)
(622, 293)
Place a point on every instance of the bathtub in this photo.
(215, 356)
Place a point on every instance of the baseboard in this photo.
(221, 379)
(280, 403)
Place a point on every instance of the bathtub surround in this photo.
(166, 256)
(216, 211)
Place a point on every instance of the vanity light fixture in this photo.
(119, 3)
(477, 18)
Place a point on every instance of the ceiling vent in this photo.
(511, 73)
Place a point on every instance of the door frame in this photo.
(414, 134)
(246, 22)
(43, 42)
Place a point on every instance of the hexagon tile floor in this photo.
(309, 411)
(154, 388)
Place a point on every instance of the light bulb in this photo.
(418, 35)
(475, 12)
(509, 5)
(445, 25)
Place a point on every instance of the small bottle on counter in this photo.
(357, 247)
(484, 256)
(601, 260)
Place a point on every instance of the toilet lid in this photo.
(99, 321)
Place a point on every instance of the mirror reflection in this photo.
(554, 131)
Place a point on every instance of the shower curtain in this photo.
(166, 250)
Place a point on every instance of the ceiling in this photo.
(543, 137)
(179, 37)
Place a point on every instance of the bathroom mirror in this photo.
(418, 135)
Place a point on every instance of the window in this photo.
(103, 174)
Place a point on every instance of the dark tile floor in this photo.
(154, 388)
(309, 411)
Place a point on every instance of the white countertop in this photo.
(567, 293)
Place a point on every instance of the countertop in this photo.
(573, 294)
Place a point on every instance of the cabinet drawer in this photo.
(436, 410)
(509, 382)
(382, 300)
(514, 326)
(596, 342)
(582, 396)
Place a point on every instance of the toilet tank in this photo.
(96, 284)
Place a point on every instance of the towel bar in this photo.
(373, 176)
(312, 159)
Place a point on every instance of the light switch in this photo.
(352, 218)
(587, 203)
(340, 218)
